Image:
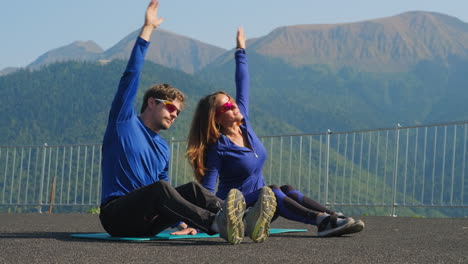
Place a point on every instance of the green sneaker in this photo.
(229, 218)
(258, 218)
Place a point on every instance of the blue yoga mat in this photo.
(166, 235)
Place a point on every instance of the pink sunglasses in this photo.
(225, 107)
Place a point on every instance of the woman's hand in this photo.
(240, 38)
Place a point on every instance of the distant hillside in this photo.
(8, 70)
(77, 51)
(68, 102)
(314, 98)
(392, 44)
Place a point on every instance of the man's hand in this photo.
(152, 21)
(240, 38)
(151, 18)
(186, 231)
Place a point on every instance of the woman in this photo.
(223, 145)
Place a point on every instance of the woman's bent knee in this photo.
(274, 186)
(287, 188)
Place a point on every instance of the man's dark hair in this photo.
(162, 91)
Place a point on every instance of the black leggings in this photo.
(149, 210)
(294, 205)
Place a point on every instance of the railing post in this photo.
(395, 172)
(41, 184)
(329, 132)
(170, 161)
(5, 176)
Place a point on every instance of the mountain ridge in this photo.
(388, 44)
(77, 50)
(385, 44)
(172, 50)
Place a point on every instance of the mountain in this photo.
(77, 51)
(169, 49)
(392, 44)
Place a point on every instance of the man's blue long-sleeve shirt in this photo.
(237, 167)
(133, 155)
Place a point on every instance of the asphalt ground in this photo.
(43, 238)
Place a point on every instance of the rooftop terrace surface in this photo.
(44, 238)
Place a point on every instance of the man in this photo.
(136, 198)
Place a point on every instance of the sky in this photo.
(30, 28)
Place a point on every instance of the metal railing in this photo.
(37, 176)
(399, 167)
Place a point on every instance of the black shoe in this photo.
(333, 226)
(358, 226)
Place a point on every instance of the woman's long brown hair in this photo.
(203, 132)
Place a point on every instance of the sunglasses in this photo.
(169, 105)
(225, 107)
